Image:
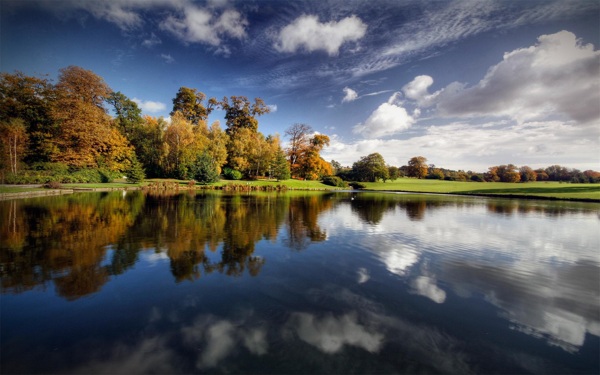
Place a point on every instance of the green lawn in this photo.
(536, 189)
(531, 189)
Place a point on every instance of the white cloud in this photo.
(151, 41)
(308, 33)
(167, 57)
(349, 95)
(330, 334)
(388, 119)
(150, 106)
(557, 76)
(272, 108)
(468, 146)
(417, 90)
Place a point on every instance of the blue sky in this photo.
(467, 84)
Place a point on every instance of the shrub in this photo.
(334, 181)
(357, 185)
(52, 185)
(232, 174)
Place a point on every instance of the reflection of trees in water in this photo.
(67, 239)
(303, 226)
(372, 207)
(63, 238)
(508, 207)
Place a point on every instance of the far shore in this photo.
(531, 190)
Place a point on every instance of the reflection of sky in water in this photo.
(541, 272)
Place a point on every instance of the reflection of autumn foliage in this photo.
(303, 225)
(66, 235)
(79, 241)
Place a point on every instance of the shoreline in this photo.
(65, 191)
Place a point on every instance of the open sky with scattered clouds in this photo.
(467, 84)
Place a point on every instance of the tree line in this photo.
(372, 168)
(65, 131)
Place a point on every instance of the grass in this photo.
(554, 190)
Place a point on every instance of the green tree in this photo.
(135, 173)
(370, 168)
(280, 166)
(190, 103)
(417, 167)
(394, 172)
(204, 169)
(128, 116)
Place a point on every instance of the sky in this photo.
(466, 84)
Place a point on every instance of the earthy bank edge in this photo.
(280, 187)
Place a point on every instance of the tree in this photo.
(417, 167)
(370, 168)
(128, 114)
(527, 174)
(280, 167)
(394, 172)
(217, 146)
(135, 173)
(240, 113)
(298, 143)
(14, 143)
(204, 169)
(190, 103)
(83, 136)
(179, 138)
(29, 98)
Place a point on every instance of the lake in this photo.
(298, 283)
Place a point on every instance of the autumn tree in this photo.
(417, 167)
(216, 148)
(241, 113)
(150, 147)
(84, 136)
(180, 147)
(299, 135)
(503, 173)
(14, 143)
(29, 99)
(527, 174)
(191, 104)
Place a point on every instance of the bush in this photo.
(52, 185)
(357, 185)
(232, 174)
(334, 181)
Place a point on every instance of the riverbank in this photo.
(531, 190)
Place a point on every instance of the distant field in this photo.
(534, 189)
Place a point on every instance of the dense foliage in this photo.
(68, 126)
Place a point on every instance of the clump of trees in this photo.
(65, 132)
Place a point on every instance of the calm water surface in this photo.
(297, 284)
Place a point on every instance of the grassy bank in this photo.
(555, 190)
(548, 190)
